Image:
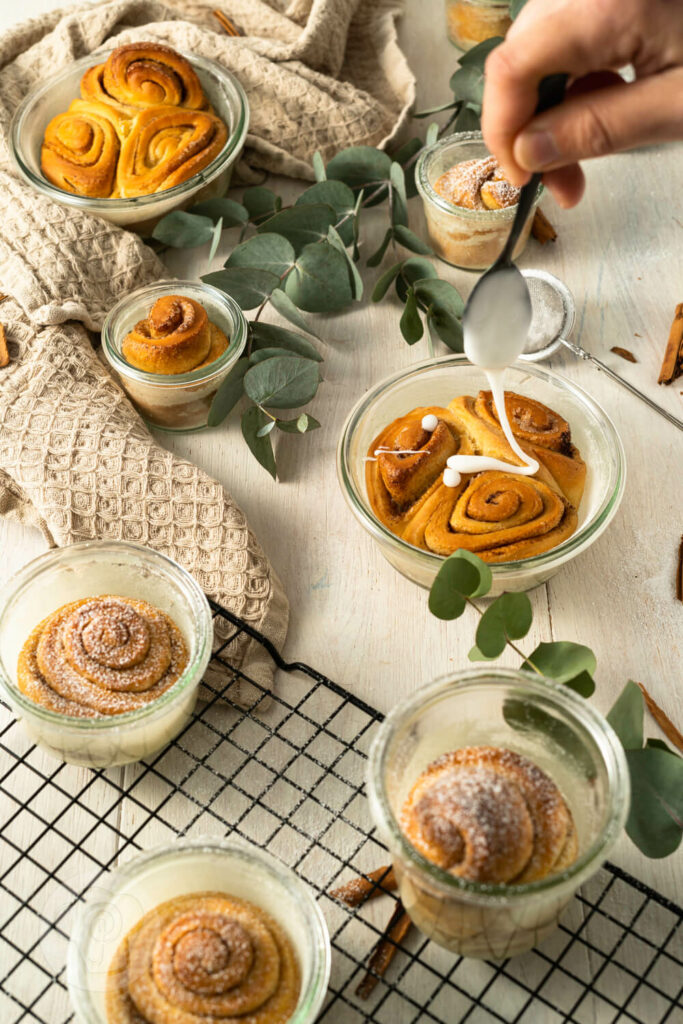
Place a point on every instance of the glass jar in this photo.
(548, 724)
(140, 213)
(467, 239)
(470, 22)
(205, 864)
(437, 382)
(175, 402)
(88, 570)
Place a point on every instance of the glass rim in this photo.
(582, 537)
(310, 998)
(110, 205)
(430, 195)
(109, 723)
(532, 685)
(203, 375)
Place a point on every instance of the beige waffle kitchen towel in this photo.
(75, 458)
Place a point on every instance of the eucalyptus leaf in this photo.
(253, 419)
(461, 575)
(414, 269)
(411, 325)
(337, 195)
(382, 284)
(399, 197)
(467, 120)
(659, 744)
(355, 224)
(405, 156)
(261, 202)
(217, 232)
(183, 230)
(228, 394)
(432, 134)
(303, 424)
(515, 7)
(410, 240)
(476, 57)
(233, 214)
(655, 820)
(283, 382)
(436, 110)
(583, 684)
(320, 281)
(626, 716)
(286, 308)
(267, 251)
(266, 429)
(360, 166)
(301, 225)
(378, 255)
(561, 660)
(247, 285)
(269, 335)
(259, 355)
(509, 617)
(356, 280)
(467, 84)
(319, 166)
(444, 306)
(526, 716)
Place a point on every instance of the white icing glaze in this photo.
(430, 422)
(451, 477)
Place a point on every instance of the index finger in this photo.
(549, 36)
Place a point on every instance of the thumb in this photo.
(606, 120)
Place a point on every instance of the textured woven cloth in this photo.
(75, 458)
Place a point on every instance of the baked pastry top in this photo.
(175, 337)
(477, 185)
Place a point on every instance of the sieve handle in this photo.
(581, 352)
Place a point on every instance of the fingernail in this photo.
(536, 150)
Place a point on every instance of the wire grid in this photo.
(288, 775)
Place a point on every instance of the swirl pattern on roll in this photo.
(165, 147)
(204, 958)
(101, 656)
(502, 516)
(175, 337)
(144, 74)
(81, 147)
(487, 814)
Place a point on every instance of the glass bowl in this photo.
(436, 382)
(467, 239)
(87, 570)
(550, 725)
(470, 22)
(140, 213)
(176, 402)
(118, 902)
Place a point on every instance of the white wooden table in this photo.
(352, 616)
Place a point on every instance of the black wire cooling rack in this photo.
(288, 775)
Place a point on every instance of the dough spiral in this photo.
(144, 75)
(175, 337)
(487, 814)
(502, 516)
(101, 656)
(81, 147)
(205, 958)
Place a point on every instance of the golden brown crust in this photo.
(502, 516)
(488, 814)
(477, 184)
(206, 957)
(151, 75)
(81, 147)
(176, 337)
(101, 656)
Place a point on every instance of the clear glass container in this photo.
(87, 570)
(229, 866)
(548, 724)
(174, 402)
(140, 213)
(470, 22)
(437, 382)
(467, 239)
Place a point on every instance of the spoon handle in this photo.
(550, 94)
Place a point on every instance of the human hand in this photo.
(601, 113)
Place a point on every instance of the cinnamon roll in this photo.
(502, 516)
(145, 75)
(477, 185)
(175, 337)
(205, 958)
(487, 814)
(81, 147)
(166, 146)
(101, 656)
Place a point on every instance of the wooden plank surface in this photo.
(352, 616)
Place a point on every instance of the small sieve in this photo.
(552, 320)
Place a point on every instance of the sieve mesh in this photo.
(552, 314)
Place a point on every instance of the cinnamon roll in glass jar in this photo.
(171, 345)
(103, 646)
(206, 929)
(498, 794)
(470, 22)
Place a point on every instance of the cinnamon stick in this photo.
(227, 25)
(679, 570)
(4, 351)
(542, 229)
(365, 887)
(672, 365)
(662, 719)
(385, 951)
(625, 353)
